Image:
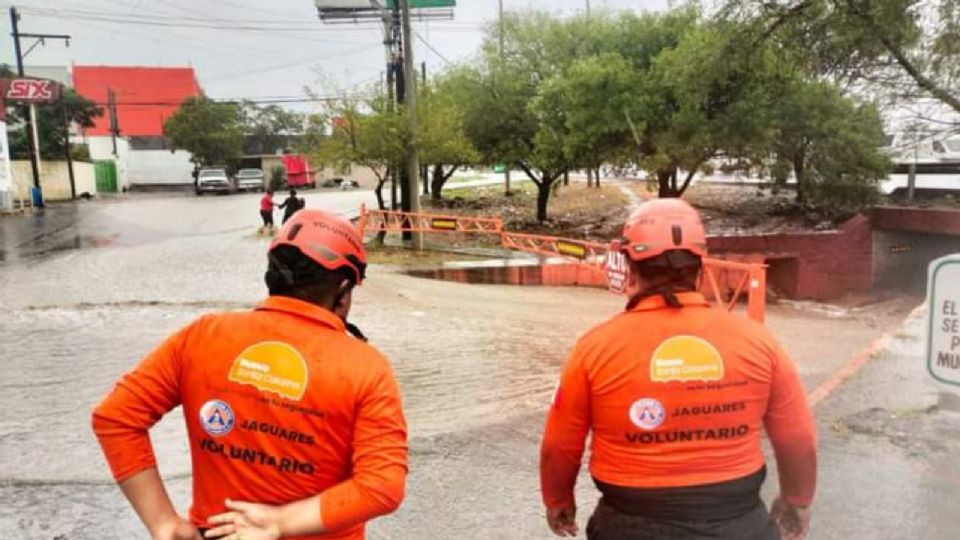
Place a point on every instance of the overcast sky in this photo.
(251, 63)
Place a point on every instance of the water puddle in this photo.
(554, 271)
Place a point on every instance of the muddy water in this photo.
(73, 320)
(476, 365)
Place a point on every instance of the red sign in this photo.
(618, 269)
(33, 90)
(27, 89)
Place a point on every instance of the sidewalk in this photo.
(888, 467)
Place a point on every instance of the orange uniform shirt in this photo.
(280, 404)
(677, 397)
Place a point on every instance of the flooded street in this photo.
(87, 290)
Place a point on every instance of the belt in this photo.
(719, 501)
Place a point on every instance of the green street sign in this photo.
(501, 168)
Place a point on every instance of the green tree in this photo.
(72, 107)
(901, 49)
(211, 131)
(364, 133)
(831, 143)
(682, 94)
(444, 145)
(497, 96)
(270, 128)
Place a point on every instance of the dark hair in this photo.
(269, 192)
(671, 272)
(291, 273)
(293, 193)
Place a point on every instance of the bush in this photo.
(278, 177)
(80, 152)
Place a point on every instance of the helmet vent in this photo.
(294, 231)
(677, 235)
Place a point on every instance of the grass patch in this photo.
(574, 211)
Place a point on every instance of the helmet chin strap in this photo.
(353, 329)
(668, 293)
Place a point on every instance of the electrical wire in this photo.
(429, 46)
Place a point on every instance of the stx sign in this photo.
(27, 90)
(30, 90)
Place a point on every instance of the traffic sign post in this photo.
(943, 332)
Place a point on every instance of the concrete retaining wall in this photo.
(54, 179)
(818, 265)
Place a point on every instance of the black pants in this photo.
(608, 523)
(267, 217)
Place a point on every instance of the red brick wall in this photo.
(928, 220)
(829, 264)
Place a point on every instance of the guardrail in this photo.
(724, 281)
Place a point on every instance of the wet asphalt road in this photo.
(86, 290)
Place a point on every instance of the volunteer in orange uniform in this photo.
(676, 395)
(295, 427)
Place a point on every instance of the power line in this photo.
(429, 46)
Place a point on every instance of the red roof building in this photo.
(146, 96)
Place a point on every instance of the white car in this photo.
(213, 180)
(249, 179)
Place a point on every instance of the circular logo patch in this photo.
(647, 413)
(216, 417)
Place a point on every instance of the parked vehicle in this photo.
(250, 179)
(213, 180)
(298, 171)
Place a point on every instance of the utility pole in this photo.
(31, 123)
(424, 168)
(114, 126)
(69, 158)
(32, 150)
(410, 98)
(506, 167)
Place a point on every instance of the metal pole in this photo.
(114, 126)
(30, 125)
(410, 97)
(912, 173)
(506, 167)
(66, 138)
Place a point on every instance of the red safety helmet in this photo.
(659, 226)
(329, 240)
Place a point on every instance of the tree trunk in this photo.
(436, 186)
(378, 191)
(566, 178)
(543, 197)
(425, 179)
(686, 182)
(799, 169)
(589, 177)
(596, 177)
(663, 183)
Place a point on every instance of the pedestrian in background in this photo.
(295, 428)
(291, 205)
(677, 394)
(266, 211)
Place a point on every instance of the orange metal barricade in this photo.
(583, 251)
(394, 221)
(724, 281)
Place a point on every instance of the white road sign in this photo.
(943, 335)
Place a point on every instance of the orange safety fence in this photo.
(394, 221)
(583, 251)
(724, 281)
